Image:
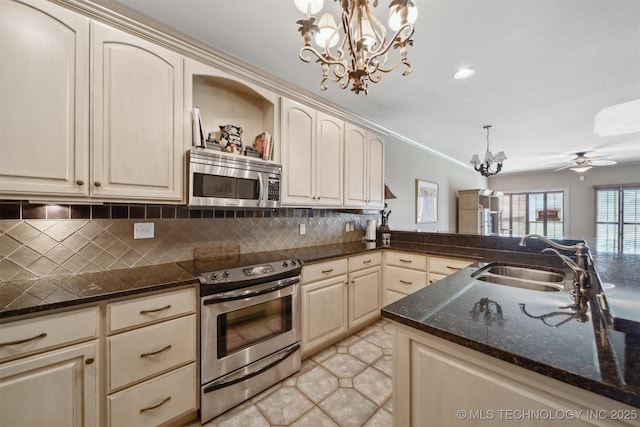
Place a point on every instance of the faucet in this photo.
(580, 275)
(581, 249)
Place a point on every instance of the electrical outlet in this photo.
(303, 228)
(143, 230)
(347, 227)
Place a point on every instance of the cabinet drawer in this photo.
(43, 332)
(401, 259)
(324, 270)
(156, 401)
(358, 262)
(447, 266)
(144, 352)
(404, 280)
(140, 311)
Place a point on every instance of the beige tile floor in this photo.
(347, 384)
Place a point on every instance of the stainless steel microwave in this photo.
(218, 179)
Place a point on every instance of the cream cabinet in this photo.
(312, 157)
(324, 306)
(365, 279)
(339, 297)
(441, 267)
(439, 383)
(151, 355)
(137, 149)
(68, 133)
(404, 273)
(50, 374)
(364, 169)
(44, 119)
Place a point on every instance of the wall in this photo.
(404, 163)
(43, 241)
(579, 194)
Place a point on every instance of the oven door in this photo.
(242, 326)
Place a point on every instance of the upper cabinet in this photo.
(44, 136)
(134, 150)
(312, 157)
(364, 169)
(225, 99)
(136, 121)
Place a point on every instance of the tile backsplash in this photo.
(50, 240)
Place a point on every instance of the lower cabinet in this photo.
(404, 273)
(441, 267)
(151, 370)
(53, 387)
(338, 297)
(440, 383)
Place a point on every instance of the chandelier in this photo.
(489, 160)
(357, 52)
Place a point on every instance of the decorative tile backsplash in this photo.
(44, 240)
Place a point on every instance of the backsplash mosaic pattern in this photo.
(40, 247)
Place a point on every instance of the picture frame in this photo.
(426, 202)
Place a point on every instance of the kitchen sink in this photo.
(521, 277)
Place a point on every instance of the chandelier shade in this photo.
(357, 51)
(489, 160)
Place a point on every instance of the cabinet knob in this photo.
(97, 183)
(80, 182)
(89, 361)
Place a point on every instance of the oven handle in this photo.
(253, 291)
(222, 384)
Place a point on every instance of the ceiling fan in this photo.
(582, 163)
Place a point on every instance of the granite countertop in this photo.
(561, 347)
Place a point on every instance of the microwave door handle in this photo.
(261, 199)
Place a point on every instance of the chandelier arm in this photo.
(400, 41)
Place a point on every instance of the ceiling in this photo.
(544, 69)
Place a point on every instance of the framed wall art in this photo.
(426, 201)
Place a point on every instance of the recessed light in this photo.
(464, 73)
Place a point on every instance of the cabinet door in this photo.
(328, 160)
(364, 296)
(324, 312)
(355, 167)
(298, 138)
(136, 118)
(375, 175)
(43, 108)
(57, 388)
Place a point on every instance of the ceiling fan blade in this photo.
(602, 162)
(570, 165)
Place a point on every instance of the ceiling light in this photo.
(356, 52)
(485, 167)
(464, 73)
(581, 169)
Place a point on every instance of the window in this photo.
(537, 212)
(618, 219)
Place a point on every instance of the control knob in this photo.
(285, 264)
(226, 275)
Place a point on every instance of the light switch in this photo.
(303, 228)
(143, 230)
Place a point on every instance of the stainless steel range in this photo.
(250, 329)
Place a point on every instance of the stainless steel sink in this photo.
(521, 277)
(526, 273)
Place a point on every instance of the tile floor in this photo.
(347, 384)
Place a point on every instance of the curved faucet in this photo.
(581, 276)
(581, 249)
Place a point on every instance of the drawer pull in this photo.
(366, 261)
(42, 335)
(327, 271)
(405, 260)
(153, 353)
(453, 268)
(405, 282)
(155, 310)
(150, 408)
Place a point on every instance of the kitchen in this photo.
(85, 237)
